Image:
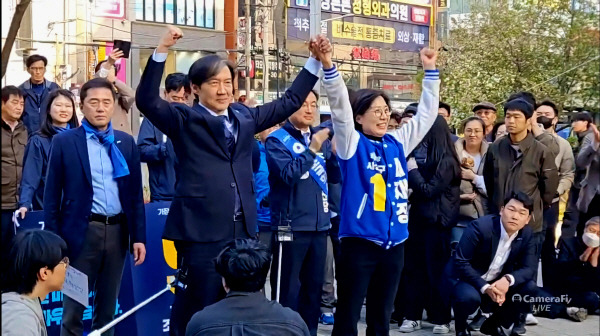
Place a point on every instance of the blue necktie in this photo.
(229, 137)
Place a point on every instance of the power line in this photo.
(560, 74)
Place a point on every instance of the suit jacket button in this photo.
(232, 185)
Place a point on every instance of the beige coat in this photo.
(125, 100)
(478, 207)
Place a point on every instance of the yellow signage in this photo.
(363, 32)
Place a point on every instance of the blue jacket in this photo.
(68, 194)
(203, 207)
(34, 172)
(261, 186)
(35, 105)
(293, 197)
(161, 160)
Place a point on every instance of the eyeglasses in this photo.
(65, 261)
(37, 68)
(379, 112)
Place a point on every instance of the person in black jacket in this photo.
(494, 264)
(213, 141)
(156, 149)
(59, 116)
(36, 89)
(434, 210)
(301, 163)
(243, 265)
(572, 275)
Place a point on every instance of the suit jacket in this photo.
(68, 194)
(534, 173)
(477, 248)
(242, 313)
(589, 157)
(208, 175)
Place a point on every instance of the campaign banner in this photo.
(138, 282)
(364, 32)
(418, 13)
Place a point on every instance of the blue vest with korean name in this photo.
(375, 192)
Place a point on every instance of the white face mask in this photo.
(591, 239)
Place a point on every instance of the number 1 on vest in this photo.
(379, 193)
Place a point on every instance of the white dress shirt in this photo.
(500, 258)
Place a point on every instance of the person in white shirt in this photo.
(494, 264)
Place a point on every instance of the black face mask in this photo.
(547, 122)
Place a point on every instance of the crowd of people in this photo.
(401, 213)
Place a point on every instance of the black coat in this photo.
(207, 174)
(477, 248)
(564, 272)
(68, 194)
(242, 313)
(435, 201)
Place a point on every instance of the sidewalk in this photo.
(546, 327)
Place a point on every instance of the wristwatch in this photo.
(508, 279)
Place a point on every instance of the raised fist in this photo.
(170, 37)
(428, 57)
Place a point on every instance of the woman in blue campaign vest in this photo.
(60, 116)
(374, 220)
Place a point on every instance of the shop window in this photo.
(196, 13)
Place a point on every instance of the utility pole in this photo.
(247, 53)
(265, 47)
(315, 28)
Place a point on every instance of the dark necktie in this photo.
(229, 137)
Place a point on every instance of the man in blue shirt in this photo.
(156, 149)
(36, 89)
(93, 200)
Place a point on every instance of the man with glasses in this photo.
(38, 265)
(36, 89)
(301, 164)
(487, 112)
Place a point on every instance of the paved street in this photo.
(546, 327)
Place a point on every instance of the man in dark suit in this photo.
(214, 197)
(494, 263)
(93, 200)
(243, 264)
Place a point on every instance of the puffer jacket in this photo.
(479, 206)
(13, 150)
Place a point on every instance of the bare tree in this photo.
(15, 24)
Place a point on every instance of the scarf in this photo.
(60, 129)
(107, 138)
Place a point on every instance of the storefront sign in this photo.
(374, 9)
(366, 54)
(363, 32)
(114, 9)
(397, 87)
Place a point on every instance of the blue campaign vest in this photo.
(317, 171)
(375, 192)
